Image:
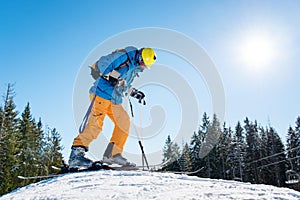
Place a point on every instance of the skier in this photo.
(113, 76)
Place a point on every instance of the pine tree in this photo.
(39, 135)
(297, 141)
(204, 148)
(225, 153)
(28, 155)
(203, 160)
(252, 151)
(292, 149)
(8, 142)
(52, 148)
(239, 152)
(2, 154)
(197, 155)
(278, 158)
(265, 150)
(195, 145)
(24, 145)
(208, 147)
(185, 161)
(171, 154)
(290, 146)
(204, 126)
(272, 160)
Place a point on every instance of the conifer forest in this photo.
(27, 147)
(248, 152)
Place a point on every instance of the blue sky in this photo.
(44, 43)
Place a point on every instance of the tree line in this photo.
(27, 148)
(248, 153)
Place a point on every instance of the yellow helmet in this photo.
(148, 56)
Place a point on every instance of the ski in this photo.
(186, 173)
(163, 164)
(138, 167)
(39, 177)
(65, 170)
(104, 167)
(125, 168)
(98, 165)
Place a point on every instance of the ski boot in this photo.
(77, 161)
(118, 159)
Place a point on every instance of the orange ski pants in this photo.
(116, 113)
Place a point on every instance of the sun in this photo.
(257, 52)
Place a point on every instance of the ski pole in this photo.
(139, 140)
(143, 155)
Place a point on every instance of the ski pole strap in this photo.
(86, 117)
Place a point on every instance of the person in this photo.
(113, 76)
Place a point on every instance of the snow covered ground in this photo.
(145, 185)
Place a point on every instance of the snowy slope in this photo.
(145, 185)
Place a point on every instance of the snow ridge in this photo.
(145, 185)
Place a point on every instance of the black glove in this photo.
(138, 95)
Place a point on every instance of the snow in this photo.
(145, 185)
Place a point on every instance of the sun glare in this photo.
(257, 52)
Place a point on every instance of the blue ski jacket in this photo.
(129, 61)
